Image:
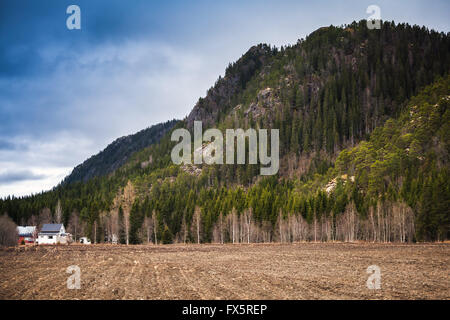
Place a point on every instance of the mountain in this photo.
(223, 94)
(407, 160)
(117, 153)
(363, 123)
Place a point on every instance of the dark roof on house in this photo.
(51, 227)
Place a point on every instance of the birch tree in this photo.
(155, 226)
(197, 222)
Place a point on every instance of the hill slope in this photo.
(117, 153)
(327, 94)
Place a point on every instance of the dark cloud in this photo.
(28, 26)
(65, 94)
(19, 175)
(17, 146)
(5, 145)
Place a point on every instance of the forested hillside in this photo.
(364, 131)
(117, 153)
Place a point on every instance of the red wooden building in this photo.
(27, 234)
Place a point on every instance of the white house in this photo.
(53, 233)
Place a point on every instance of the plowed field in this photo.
(258, 271)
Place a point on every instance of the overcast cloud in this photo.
(65, 95)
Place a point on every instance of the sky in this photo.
(66, 94)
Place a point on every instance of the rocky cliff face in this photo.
(220, 97)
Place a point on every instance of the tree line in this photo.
(364, 155)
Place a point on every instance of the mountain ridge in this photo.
(325, 94)
(117, 153)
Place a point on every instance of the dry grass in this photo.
(258, 271)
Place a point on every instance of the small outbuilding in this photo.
(85, 240)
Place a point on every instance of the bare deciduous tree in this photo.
(248, 215)
(282, 227)
(155, 226)
(148, 227)
(232, 224)
(196, 221)
(8, 231)
(58, 212)
(45, 216)
(111, 225)
(74, 225)
(126, 221)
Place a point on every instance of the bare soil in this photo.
(255, 271)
